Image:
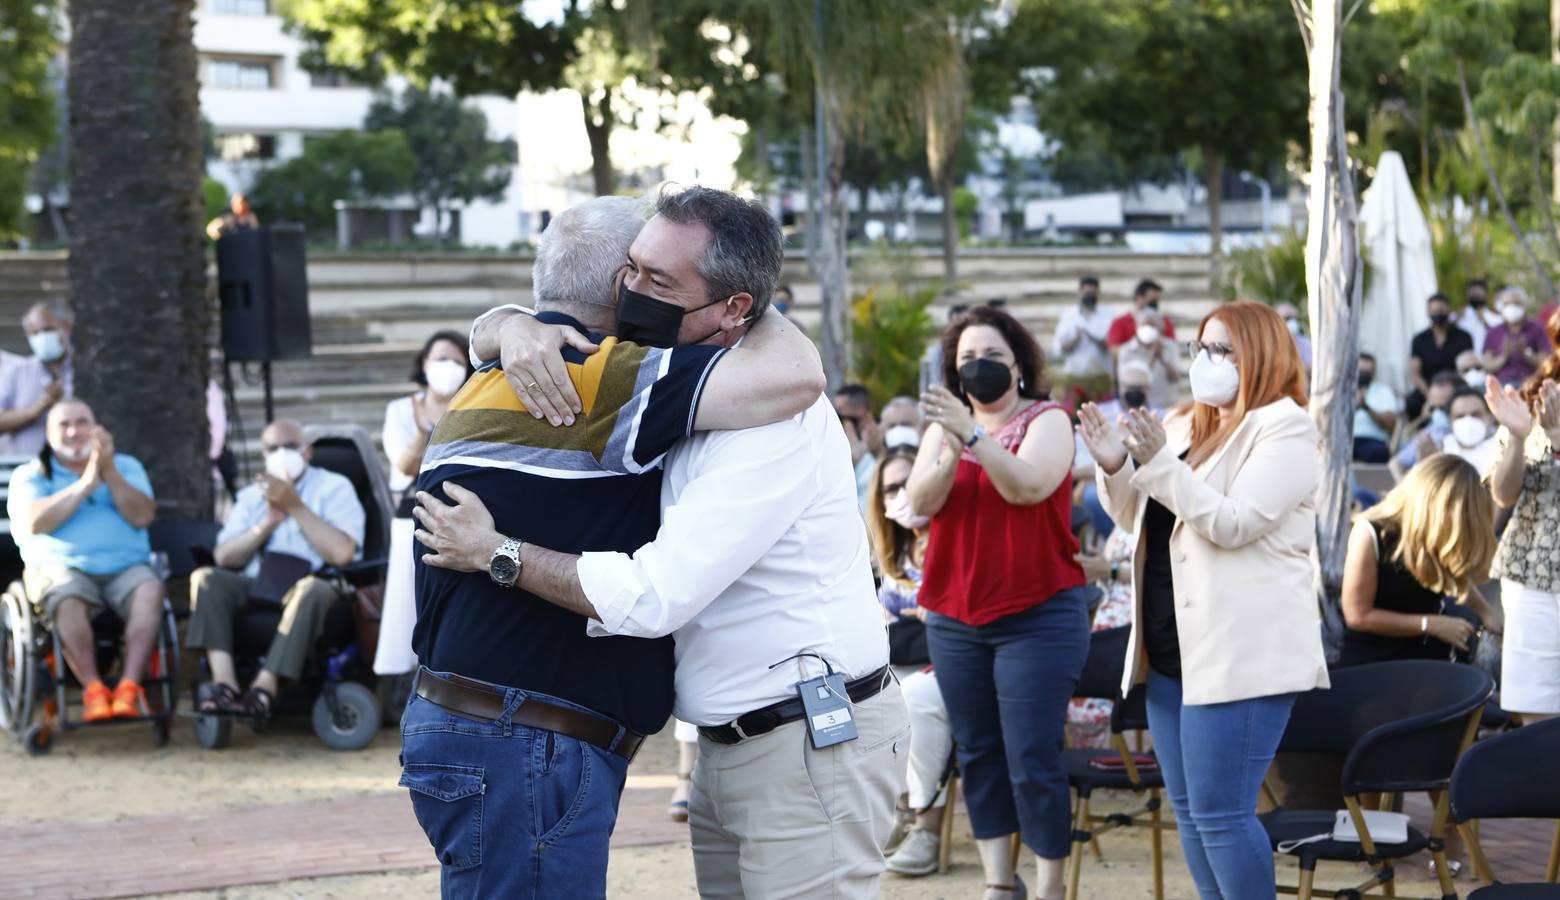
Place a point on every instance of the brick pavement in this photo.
(376, 832)
(251, 845)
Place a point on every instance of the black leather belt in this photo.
(763, 721)
(480, 700)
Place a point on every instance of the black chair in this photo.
(1402, 726)
(1502, 778)
(1089, 770)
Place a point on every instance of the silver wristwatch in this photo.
(976, 435)
(504, 567)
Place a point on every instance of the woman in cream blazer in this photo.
(1225, 626)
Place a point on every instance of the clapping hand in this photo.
(1145, 434)
(1549, 412)
(943, 408)
(1102, 438)
(280, 493)
(1508, 408)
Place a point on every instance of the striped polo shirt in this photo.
(594, 485)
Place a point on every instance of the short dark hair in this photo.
(1468, 390)
(1089, 281)
(786, 288)
(453, 337)
(1477, 283)
(1439, 297)
(857, 394)
(1370, 356)
(1146, 285)
(958, 309)
(1448, 376)
(1026, 351)
(747, 247)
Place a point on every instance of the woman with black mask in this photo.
(1007, 623)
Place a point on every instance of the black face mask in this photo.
(985, 380)
(1154, 305)
(1366, 378)
(645, 320)
(1134, 398)
(1440, 319)
(1089, 301)
(1477, 302)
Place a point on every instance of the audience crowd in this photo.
(1017, 505)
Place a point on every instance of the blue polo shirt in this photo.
(595, 485)
(96, 539)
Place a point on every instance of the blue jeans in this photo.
(511, 811)
(1006, 685)
(1103, 523)
(1214, 758)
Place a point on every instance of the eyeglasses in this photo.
(1216, 352)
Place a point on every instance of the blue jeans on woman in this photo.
(1213, 758)
(1006, 685)
(511, 811)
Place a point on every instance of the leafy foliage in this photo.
(28, 40)
(891, 325)
(347, 165)
(454, 159)
(1271, 274)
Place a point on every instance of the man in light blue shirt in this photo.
(79, 514)
(294, 516)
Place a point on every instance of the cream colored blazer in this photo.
(1240, 552)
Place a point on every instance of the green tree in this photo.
(455, 159)
(1223, 78)
(137, 262)
(28, 40)
(348, 165)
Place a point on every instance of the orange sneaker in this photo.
(129, 700)
(97, 702)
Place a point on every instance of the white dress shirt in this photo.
(1478, 324)
(762, 554)
(1086, 357)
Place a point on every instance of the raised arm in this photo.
(1113, 468)
(1511, 411)
(775, 374)
(1037, 470)
(931, 478)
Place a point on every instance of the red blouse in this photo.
(987, 558)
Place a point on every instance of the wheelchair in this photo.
(39, 693)
(338, 690)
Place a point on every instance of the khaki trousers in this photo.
(773, 818)
(216, 596)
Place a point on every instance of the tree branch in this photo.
(1303, 19)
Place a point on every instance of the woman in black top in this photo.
(1432, 537)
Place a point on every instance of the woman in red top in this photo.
(1007, 622)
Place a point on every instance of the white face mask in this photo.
(1513, 314)
(1470, 431)
(1475, 378)
(901, 436)
(1147, 334)
(284, 463)
(47, 345)
(898, 509)
(445, 376)
(1214, 383)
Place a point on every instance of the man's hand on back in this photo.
(460, 533)
(530, 352)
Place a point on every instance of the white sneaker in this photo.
(904, 820)
(917, 856)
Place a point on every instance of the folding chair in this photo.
(1402, 726)
(1502, 778)
(1117, 768)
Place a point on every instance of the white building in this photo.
(262, 107)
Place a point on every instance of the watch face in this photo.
(503, 570)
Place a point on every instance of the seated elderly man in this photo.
(294, 515)
(79, 513)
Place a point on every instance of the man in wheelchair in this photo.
(293, 521)
(79, 514)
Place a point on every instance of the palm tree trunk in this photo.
(137, 264)
(598, 130)
(1544, 204)
(832, 274)
(950, 234)
(1495, 185)
(1333, 276)
(1213, 177)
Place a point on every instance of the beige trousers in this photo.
(773, 818)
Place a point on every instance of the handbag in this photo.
(1385, 828)
(907, 643)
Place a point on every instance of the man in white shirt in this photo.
(761, 570)
(1080, 334)
(1477, 318)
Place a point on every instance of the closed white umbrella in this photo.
(1401, 274)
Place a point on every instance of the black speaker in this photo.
(263, 284)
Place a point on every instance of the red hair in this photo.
(1270, 370)
(1549, 370)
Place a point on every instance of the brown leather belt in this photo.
(480, 700)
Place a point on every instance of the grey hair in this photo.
(895, 402)
(1511, 294)
(580, 253)
(747, 247)
(60, 311)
